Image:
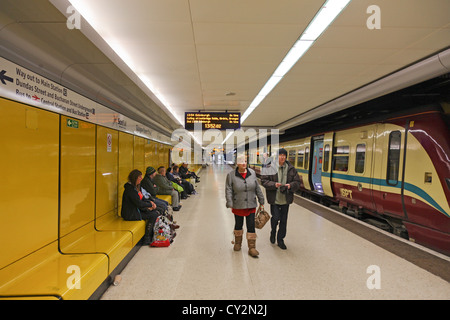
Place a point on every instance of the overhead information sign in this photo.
(213, 120)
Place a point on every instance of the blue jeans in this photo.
(279, 215)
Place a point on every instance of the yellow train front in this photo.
(394, 173)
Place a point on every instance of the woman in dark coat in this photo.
(134, 208)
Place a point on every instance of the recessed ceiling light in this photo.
(326, 15)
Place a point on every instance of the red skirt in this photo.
(243, 212)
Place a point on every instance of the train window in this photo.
(300, 157)
(360, 158)
(393, 158)
(326, 157)
(307, 158)
(341, 155)
(291, 158)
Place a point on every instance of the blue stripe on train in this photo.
(383, 183)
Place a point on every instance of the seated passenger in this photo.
(186, 174)
(149, 185)
(186, 184)
(165, 187)
(176, 182)
(134, 208)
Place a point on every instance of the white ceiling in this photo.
(196, 51)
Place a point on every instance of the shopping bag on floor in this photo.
(261, 218)
(162, 234)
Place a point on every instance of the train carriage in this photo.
(394, 173)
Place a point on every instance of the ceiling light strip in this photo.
(82, 6)
(323, 19)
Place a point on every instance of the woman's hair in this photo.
(133, 176)
(241, 158)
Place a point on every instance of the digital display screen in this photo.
(213, 120)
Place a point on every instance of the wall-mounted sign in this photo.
(20, 84)
(213, 120)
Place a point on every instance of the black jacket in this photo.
(183, 172)
(132, 205)
(268, 182)
(149, 186)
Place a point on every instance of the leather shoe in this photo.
(272, 237)
(282, 245)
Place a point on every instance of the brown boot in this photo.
(251, 241)
(237, 239)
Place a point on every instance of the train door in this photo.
(326, 165)
(387, 181)
(316, 164)
(306, 172)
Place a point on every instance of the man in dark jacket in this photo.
(280, 184)
(149, 185)
(186, 174)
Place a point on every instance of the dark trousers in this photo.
(187, 186)
(279, 214)
(249, 221)
(150, 219)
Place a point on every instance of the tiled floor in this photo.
(323, 261)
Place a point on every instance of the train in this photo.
(393, 173)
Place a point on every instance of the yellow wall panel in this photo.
(160, 158)
(148, 150)
(126, 163)
(150, 154)
(29, 142)
(139, 154)
(77, 174)
(107, 170)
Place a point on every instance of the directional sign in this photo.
(4, 77)
(20, 84)
(72, 123)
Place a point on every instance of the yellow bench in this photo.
(113, 222)
(165, 197)
(115, 244)
(47, 274)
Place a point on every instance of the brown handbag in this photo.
(261, 218)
